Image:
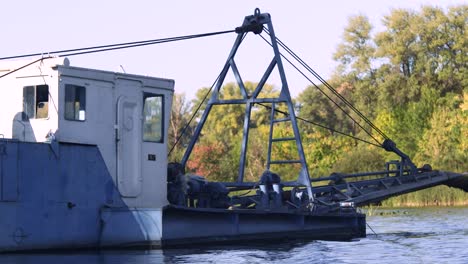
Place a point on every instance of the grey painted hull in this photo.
(57, 196)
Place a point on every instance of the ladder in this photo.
(303, 177)
(272, 140)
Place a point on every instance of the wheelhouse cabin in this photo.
(126, 116)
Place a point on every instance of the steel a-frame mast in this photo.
(255, 23)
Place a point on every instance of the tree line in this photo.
(410, 80)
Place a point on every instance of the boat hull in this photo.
(63, 197)
(186, 226)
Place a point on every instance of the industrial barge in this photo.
(83, 164)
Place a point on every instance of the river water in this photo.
(429, 235)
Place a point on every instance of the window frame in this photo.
(71, 85)
(150, 95)
(25, 116)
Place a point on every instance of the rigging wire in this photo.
(199, 105)
(316, 75)
(158, 41)
(371, 229)
(193, 116)
(95, 49)
(322, 126)
(77, 51)
(48, 91)
(323, 92)
(24, 66)
(103, 48)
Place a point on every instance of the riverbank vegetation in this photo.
(410, 79)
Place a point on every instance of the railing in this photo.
(388, 173)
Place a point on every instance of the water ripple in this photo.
(433, 235)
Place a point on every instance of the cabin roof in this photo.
(64, 68)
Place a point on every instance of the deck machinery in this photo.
(83, 164)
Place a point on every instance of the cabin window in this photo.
(75, 102)
(153, 118)
(36, 101)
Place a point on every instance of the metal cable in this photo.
(24, 66)
(193, 115)
(199, 106)
(371, 229)
(323, 92)
(102, 48)
(159, 41)
(322, 126)
(316, 75)
(122, 45)
(48, 91)
(81, 51)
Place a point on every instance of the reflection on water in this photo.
(437, 235)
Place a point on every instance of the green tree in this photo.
(356, 52)
(445, 144)
(399, 42)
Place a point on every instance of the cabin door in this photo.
(129, 177)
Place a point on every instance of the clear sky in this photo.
(311, 28)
